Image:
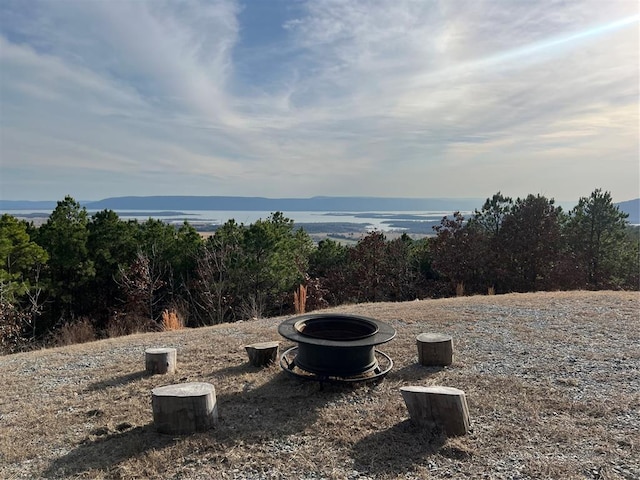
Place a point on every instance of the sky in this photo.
(274, 98)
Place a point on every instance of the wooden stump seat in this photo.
(263, 353)
(434, 349)
(444, 407)
(184, 408)
(160, 360)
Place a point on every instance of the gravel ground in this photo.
(552, 381)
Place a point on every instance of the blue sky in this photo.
(300, 98)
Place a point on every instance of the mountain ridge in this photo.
(319, 203)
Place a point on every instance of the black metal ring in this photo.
(289, 367)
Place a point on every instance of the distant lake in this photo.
(383, 221)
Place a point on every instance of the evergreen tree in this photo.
(327, 257)
(459, 253)
(22, 263)
(488, 223)
(531, 236)
(597, 234)
(20, 257)
(492, 214)
(327, 268)
(367, 268)
(400, 280)
(64, 236)
(274, 262)
(112, 246)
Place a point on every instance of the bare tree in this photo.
(141, 282)
(34, 295)
(213, 293)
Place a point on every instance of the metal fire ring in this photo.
(381, 332)
(374, 373)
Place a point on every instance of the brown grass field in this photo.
(552, 381)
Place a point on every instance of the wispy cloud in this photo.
(447, 98)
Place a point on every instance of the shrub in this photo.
(121, 324)
(252, 307)
(300, 299)
(80, 331)
(10, 328)
(171, 321)
(316, 295)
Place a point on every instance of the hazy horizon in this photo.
(558, 201)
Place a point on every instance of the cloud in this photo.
(433, 98)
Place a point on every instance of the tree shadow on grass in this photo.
(105, 452)
(117, 381)
(397, 449)
(255, 414)
(286, 405)
(281, 407)
(269, 412)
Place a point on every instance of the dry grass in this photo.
(171, 321)
(81, 331)
(300, 300)
(552, 381)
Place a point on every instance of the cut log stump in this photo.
(262, 354)
(434, 349)
(444, 407)
(160, 360)
(184, 408)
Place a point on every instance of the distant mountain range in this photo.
(631, 208)
(313, 204)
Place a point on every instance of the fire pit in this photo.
(336, 347)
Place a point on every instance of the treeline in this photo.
(76, 278)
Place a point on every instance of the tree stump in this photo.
(434, 349)
(184, 408)
(262, 354)
(160, 360)
(444, 407)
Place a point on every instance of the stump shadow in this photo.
(397, 449)
(414, 372)
(235, 370)
(106, 452)
(117, 381)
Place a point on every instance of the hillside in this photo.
(552, 381)
(631, 208)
